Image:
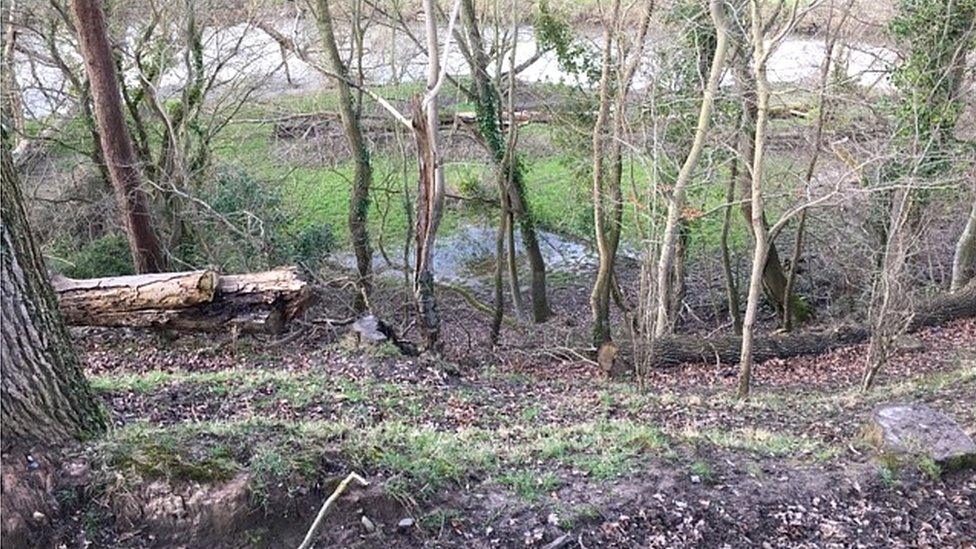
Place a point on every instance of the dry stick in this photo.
(307, 542)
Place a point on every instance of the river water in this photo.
(248, 57)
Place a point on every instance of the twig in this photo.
(307, 542)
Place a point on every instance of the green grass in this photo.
(529, 485)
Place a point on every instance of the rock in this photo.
(370, 329)
(368, 524)
(372, 334)
(405, 523)
(919, 430)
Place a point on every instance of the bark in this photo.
(81, 299)
(430, 186)
(11, 89)
(666, 262)
(429, 202)
(599, 298)
(731, 286)
(964, 262)
(194, 301)
(773, 277)
(607, 226)
(116, 143)
(683, 349)
(488, 116)
(758, 221)
(44, 393)
(362, 167)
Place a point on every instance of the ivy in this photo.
(935, 37)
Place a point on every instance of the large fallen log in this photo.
(192, 301)
(681, 349)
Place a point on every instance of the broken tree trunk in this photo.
(191, 301)
(678, 349)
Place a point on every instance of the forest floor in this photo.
(236, 442)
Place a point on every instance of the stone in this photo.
(367, 524)
(370, 329)
(917, 430)
(405, 523)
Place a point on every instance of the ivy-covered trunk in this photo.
(488, 106)
(44, 393)
(362, 169)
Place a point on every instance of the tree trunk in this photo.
(488, 113)
(44, 393)
(82, 299)
(682, 349)
(194, 301)
(964, 262)
(758, 219)
(773, 277)
(607, 226)
(600, 295)
(731, 286)
(11, 89)
(672, 227)
(116, 143)
(430, 185)
(362, 168)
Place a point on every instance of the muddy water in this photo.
(466, 255)
(248, 55)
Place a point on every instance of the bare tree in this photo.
(117, 149)
(762, 47)
(676, 202)
(430, 186)
(487, 98)
(774, 277)
(616, 76)
(350, 112)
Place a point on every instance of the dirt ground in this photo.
(236, 442)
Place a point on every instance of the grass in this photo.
(529, 485)
(755, 440)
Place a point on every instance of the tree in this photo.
(676, 203)
(964, 262)
(44, 394)
(430, 185)
(616, 76)
(116, 144)
(488, 106)
(774, 277)
(762, 47)
(349, 112)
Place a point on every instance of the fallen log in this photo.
(199, 301)
(682, 349)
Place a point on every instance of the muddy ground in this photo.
(223, 442)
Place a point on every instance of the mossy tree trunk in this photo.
(362, 179)
(45, 397)
(489, 112)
